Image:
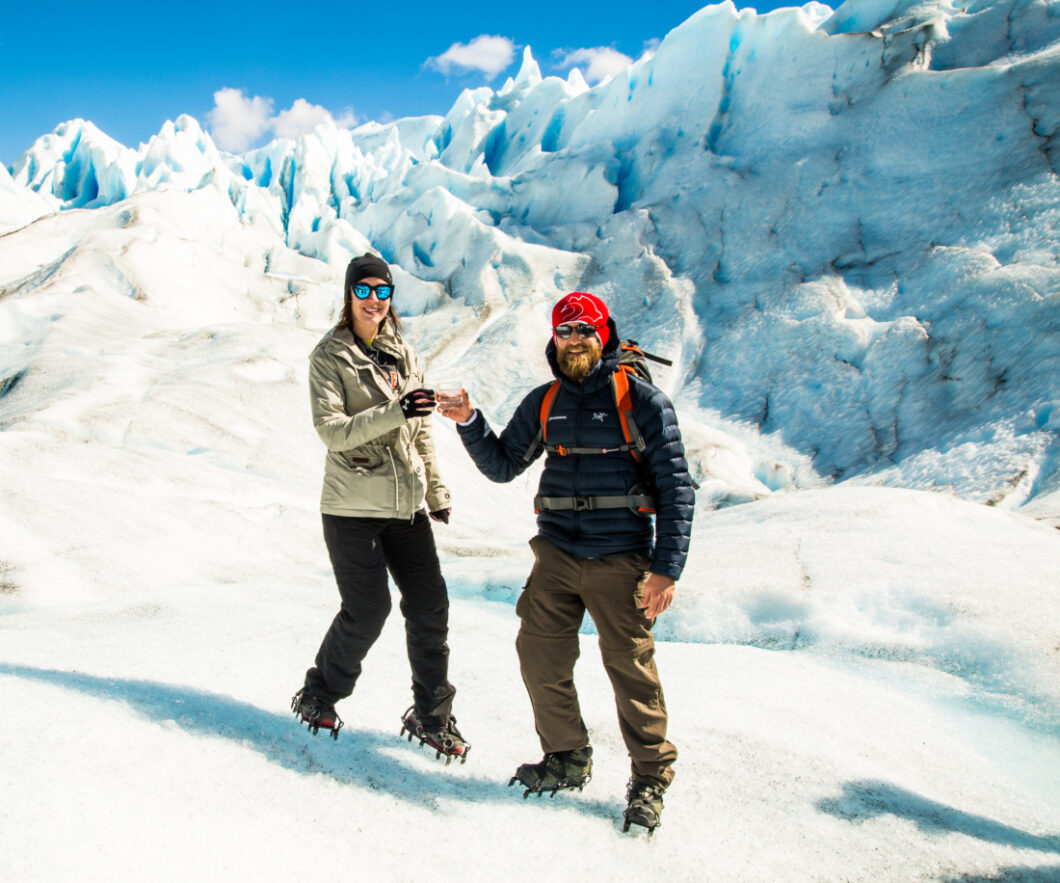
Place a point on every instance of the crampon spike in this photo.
(442, 741)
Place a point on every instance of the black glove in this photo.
(418, 403)
(442, 515)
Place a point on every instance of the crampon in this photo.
(445, 739)
(316, 714)
(645, 806)
(558, 771)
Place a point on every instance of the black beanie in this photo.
(365, 266)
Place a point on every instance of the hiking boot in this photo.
(316, 713)
(556, 771)
(644, 805)
(443, 738)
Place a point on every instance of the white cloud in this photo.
(237, 122)
(347, 119)
(597, 64)
(485, 53)
(298, 118)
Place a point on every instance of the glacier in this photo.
(841, 225)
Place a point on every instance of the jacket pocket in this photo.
(417, 475)
(362, 463)
(360, 482)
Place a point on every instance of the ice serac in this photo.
(77, 165)
(841, 224)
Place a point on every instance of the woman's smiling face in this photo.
(370, 312)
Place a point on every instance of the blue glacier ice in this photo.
(842, 225)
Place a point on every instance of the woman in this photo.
(371, 410)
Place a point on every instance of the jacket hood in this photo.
(601, 373)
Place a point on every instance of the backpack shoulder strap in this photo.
(546, 407)
(624, 403)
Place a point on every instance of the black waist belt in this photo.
(566, 452)
(636, 502)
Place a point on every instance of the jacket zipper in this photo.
(578, 409)
(397, 481)
(382, 376)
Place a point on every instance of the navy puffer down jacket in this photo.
(584, 415)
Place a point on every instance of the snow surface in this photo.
(841, 226)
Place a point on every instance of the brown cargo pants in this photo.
(560, 589)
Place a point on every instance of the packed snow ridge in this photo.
(842, 226)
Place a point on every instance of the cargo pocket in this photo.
(521, 602)
(638, 600)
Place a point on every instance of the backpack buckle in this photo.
(562, 451)
(583, 504)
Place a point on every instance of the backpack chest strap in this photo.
(565, 451)
(623, 404)
(634, 442)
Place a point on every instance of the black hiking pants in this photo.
(362, 550)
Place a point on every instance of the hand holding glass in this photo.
(453, 401)
(450, 393)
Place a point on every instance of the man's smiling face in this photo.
(577, 355)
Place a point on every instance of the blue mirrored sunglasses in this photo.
(564, 331)
(382, 290)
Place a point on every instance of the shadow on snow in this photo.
(861, 801)
(360, 758)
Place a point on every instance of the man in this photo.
(594, 549)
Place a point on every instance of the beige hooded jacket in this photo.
(379, 465)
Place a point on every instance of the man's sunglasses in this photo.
(564, 331)
(382, 291)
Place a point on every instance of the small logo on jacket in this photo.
(394, 378)
(600, 416)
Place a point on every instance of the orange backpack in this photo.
(631, 360)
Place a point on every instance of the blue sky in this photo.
(250, 72)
